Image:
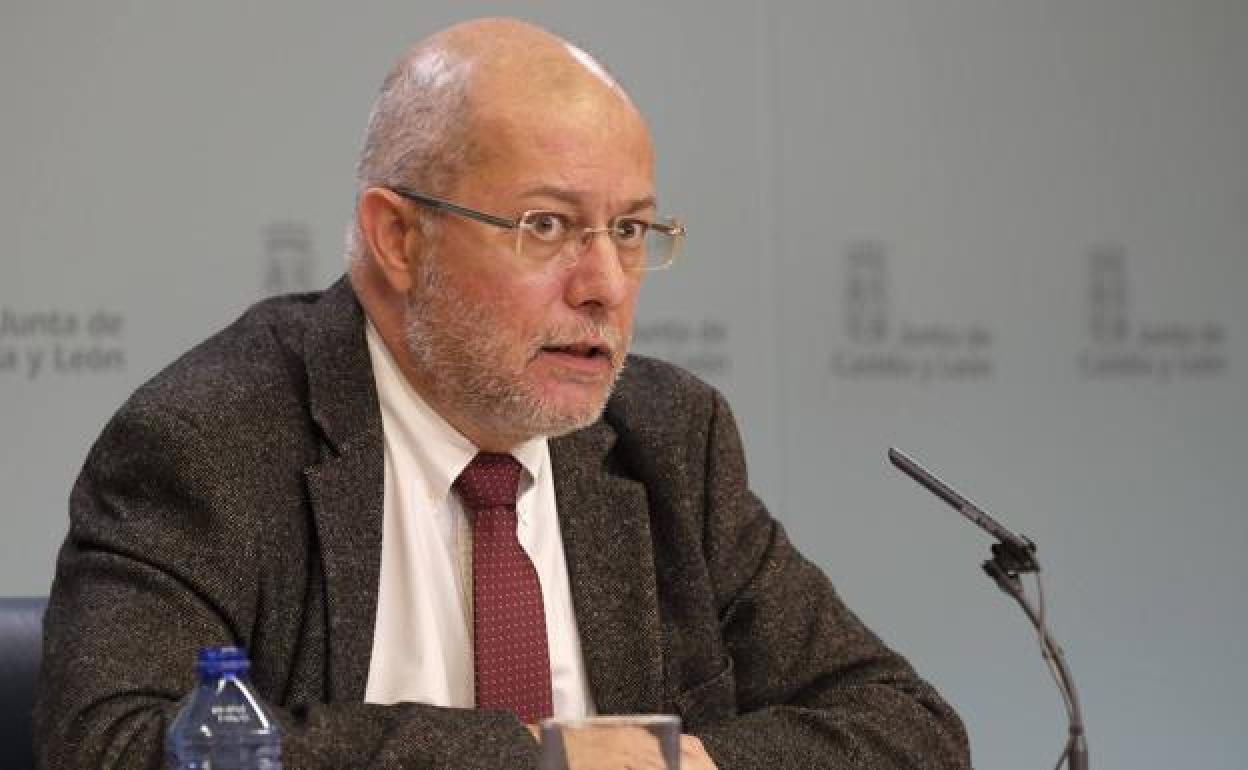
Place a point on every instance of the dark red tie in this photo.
(512, 665)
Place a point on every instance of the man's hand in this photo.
(625, 748)
(693, 756)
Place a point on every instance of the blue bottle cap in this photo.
(212, 662)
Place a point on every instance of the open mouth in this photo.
(582, 351)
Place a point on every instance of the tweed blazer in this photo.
(237, 498)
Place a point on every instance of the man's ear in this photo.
(393, 235)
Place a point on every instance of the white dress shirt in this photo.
(422, 643)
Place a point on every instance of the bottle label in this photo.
(231, 713)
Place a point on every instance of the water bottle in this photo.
(223, 724)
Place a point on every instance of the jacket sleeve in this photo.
(163, 557)
(814, 687)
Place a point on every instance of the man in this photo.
(302, 483)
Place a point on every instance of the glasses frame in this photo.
(672, 227)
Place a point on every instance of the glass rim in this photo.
(612, 720)
(670, 230)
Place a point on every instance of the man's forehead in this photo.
(580, 197)
(573, 126)
(581, 160)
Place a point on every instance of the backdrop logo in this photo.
(61, 342)
(699, 345)
(1107, 295)
(1125, 344)
(881, 344)
(866, 293)
(289, 262)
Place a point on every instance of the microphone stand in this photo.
(1004, 568)
(1014, 555)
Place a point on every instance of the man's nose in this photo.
(597, 274)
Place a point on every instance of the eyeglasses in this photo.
(542, 236)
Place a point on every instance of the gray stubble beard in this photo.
(458, 345)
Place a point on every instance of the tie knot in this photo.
(489, 481)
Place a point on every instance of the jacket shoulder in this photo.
(243, 392)
(252, 370)
(236, 361)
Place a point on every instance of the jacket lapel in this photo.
(604, 518)
(346, 487)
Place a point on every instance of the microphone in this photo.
(1011, 555)
(1017, 554)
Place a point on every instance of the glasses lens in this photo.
(541, 235)
(662, 243)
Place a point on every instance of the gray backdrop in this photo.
(1008, 236)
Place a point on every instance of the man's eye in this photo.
(630, 232)
(548, 226)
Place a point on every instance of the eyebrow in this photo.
(574, 198)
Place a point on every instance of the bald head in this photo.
(503, 48)
(422, 130)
